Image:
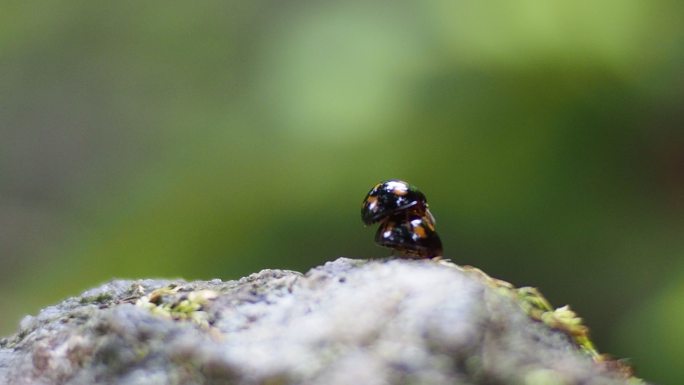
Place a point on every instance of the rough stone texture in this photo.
(346, 322)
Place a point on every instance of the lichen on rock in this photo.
(346, 322)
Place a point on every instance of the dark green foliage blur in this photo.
(215, 139)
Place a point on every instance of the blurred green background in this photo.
(162, 139)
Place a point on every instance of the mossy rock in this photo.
(346, 322)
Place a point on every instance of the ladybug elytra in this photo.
(391, 197)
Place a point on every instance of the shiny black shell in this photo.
(411, 234)
(389, 198)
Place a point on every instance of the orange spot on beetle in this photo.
(420, 231)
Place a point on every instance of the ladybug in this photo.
(391, 197)
(412, 235)
(406, 223)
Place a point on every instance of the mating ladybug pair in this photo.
(406, 224)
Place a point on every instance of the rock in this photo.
(346, 322)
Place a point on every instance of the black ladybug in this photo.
(406, 224)
(412, 235)
(391, 197)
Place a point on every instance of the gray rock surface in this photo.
(346, 322)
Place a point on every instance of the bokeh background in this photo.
(163, 139)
